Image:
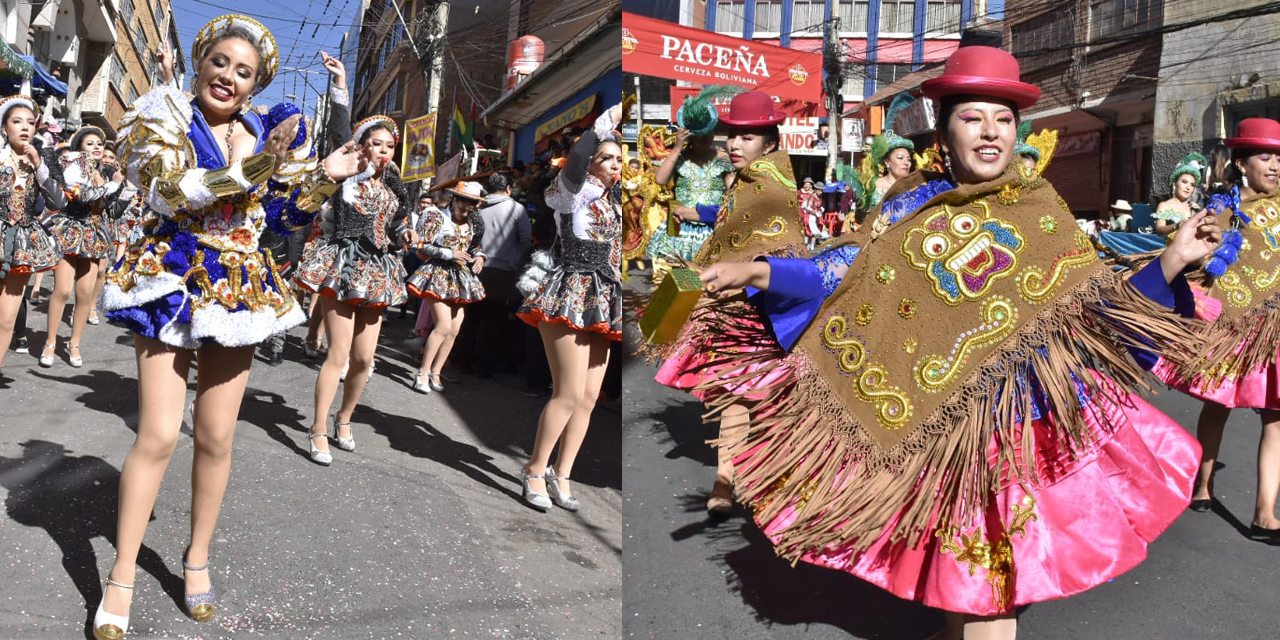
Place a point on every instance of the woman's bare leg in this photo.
(575, 430)
(368, 324)
(569, 355)
(11, 290)
(162, 388)
(223, 376)
(339, 320)
(64, 278)
(1213, 417)
(1264, 514)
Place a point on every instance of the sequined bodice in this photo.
(701, 184)
(449, 234)
(19, 193)
(374, 204)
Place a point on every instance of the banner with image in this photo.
(419, 155)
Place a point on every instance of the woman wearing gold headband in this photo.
(82, 232)
(25, 176)
(951, 393)
(357, 274)
(197, 287)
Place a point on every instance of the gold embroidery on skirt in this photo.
(997, 556)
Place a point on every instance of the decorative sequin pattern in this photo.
(963, 251)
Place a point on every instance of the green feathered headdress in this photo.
(1022, 148)
(1192, 163)
(698, 113)
(892, 140)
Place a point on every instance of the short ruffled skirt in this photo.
(1257, 389)
(447, 281)
(80, 237)
(26, 248)
(122, 228)
(586, 301)
(686, 245)
(192, 295)
(353, 271)
(1088, 520)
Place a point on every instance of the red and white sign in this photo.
(798, 136)
(667, 50)
(793, 108)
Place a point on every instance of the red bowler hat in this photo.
(982, 71)
(1256, 133)
(752, 109)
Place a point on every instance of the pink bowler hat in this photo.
(1256, 133)
(982, 71)
(752, 109)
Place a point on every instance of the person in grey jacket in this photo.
(507, 242)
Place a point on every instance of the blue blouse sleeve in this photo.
(1174, 295)
(797, 289)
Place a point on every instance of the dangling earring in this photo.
(1244, 181)
(248, 104)
(946, 161)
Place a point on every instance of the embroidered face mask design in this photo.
(1266, 221)
(963, 251)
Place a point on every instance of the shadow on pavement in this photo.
(73, 498)
(807, 594)
(418, 438)
(272, 413)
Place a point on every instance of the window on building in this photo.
(153, 67)
(942, 18)
(853, 16)
(139, 38)
(808, 16)
(896, 16)
(1113, 17)
(133, 93)
(887, 74)
(117, 73)
(126, 11)
(768, 16)
(160, 23)
(1047, 38)
(729, 16)
(852, 84)
(391, 99)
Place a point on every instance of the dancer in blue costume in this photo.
(196, 286)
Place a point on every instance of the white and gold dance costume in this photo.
(198, 276)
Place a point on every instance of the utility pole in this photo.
(834, 68)
(432, 68)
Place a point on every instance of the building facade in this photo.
(1212, 75)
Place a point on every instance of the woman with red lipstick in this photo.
(357, 274)
(198, 287)
(577, 307)
(449, 277)
(949, 395)
(1239, 367)
(25, 176)
(82, 232)
(759, 216)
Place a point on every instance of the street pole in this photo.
(639, 117)
(834, 102)
(433, 69)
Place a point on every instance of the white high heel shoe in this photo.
(348, 443)
(319, 456)
(109, 626)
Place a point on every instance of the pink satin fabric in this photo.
(686, 369)
(1093, 518)
(1258, 389)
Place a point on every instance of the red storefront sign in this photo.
(793, 108)
(668, 50)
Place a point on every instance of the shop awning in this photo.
(12, 65)
(45, 80)
(581, 61)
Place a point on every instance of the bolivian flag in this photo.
(462, 129)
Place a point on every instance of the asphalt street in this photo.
(686, 575)
(419, 533)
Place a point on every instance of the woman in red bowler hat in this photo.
(759, 216)
(1239, 367)
(956, 417)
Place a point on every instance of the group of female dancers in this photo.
(924, 402)
(196, 285)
